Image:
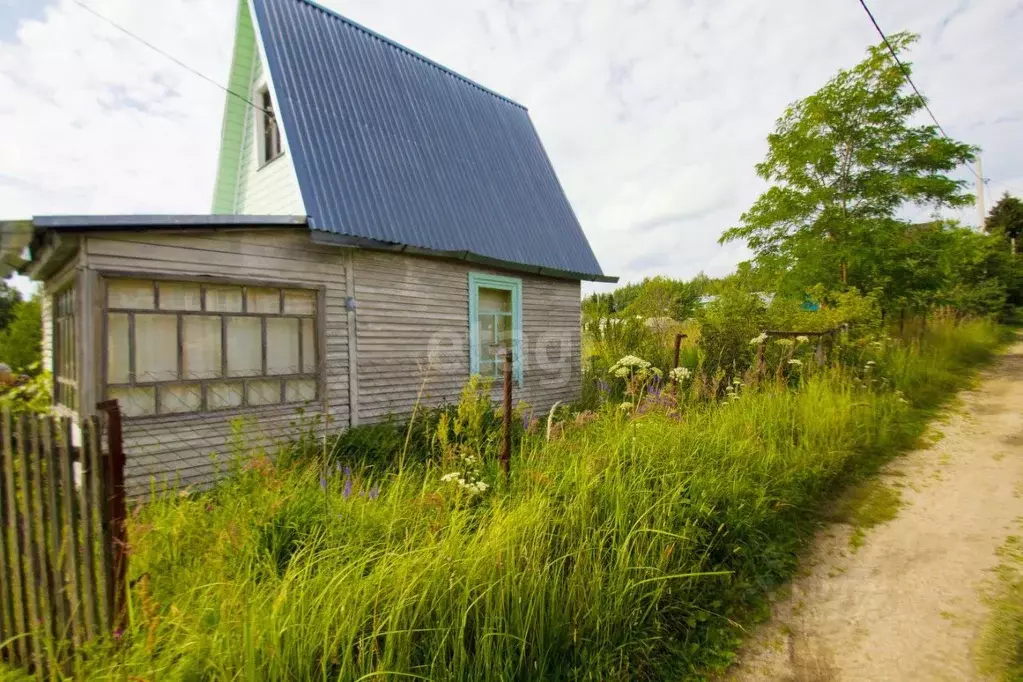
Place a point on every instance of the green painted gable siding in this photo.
(244, 187)
(273, 188)
(235, 112)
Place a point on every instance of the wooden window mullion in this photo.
(131, 349)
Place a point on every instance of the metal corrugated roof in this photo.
(78, 222)
(391, 147)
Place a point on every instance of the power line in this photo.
(905, 74)
(171, 57)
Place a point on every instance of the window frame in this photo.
(479, 281)
(318, 341)
(69, 290)
(264, 95)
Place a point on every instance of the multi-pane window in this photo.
(495, 323)
(65, 365)
(176, 347)
(271, 146)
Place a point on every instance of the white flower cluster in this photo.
(470, 479)
(802, 339)
(784, 342)
(756, 340)
(795, 362)
(680, 374)
(471, 486)
(630, 366)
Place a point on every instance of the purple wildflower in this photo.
(374, 492)
(118, 633)
(323, 482)
(347, 492)
(348, 472)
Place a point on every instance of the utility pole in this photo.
(980, 193)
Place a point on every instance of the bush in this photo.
(21, 340)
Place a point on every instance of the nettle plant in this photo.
(465, 436)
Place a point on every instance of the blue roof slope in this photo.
(391, 147)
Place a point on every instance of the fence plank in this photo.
(15, 550)
(88, 518)
(118, 512)
(101, 464)
(6, 573)
(27, 539)
(52, 520)
(72, 559)
(47, 591)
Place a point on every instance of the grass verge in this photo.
(631, 547)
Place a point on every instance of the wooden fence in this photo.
(62, 550)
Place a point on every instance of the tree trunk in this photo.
(845, 273)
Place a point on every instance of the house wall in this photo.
(180, 446)
(271, 189)
(412, 330)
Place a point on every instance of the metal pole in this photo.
(980, 193)
(506, 446)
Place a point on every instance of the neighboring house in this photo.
(382, 226)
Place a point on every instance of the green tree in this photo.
(21, 341)
(9, 300)
(843, 162)
(1006, 218)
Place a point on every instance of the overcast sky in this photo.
(653, 111)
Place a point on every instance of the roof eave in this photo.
(335, 239)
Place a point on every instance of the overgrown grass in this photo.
(629, 548)
(1001, 652)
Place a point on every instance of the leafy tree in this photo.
(21, 341)
(9, 300)
(843, 162)
(1006, 218)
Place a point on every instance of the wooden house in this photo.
(381, 225)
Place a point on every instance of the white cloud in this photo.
(653, 112)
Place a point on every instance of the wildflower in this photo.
(347, 492)
(758, 339)
(795, 362)
(784, 342)
(374, 492)
(871, 362)
(450, 477)
(323, 482)
(680, 374)
(602, 386)
(625, 406)
(737, 381)
(802, 339)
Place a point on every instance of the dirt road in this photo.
(907, 605)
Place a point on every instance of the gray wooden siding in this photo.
(273, 188)
(413, 333)
(178, 448)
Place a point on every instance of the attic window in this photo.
(270, 133)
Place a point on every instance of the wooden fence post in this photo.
(32, 581)
(117, 515)
(88, 519)
(12, 536)
(72, 558)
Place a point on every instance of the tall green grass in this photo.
(629, 548)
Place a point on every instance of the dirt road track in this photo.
(907, 605)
